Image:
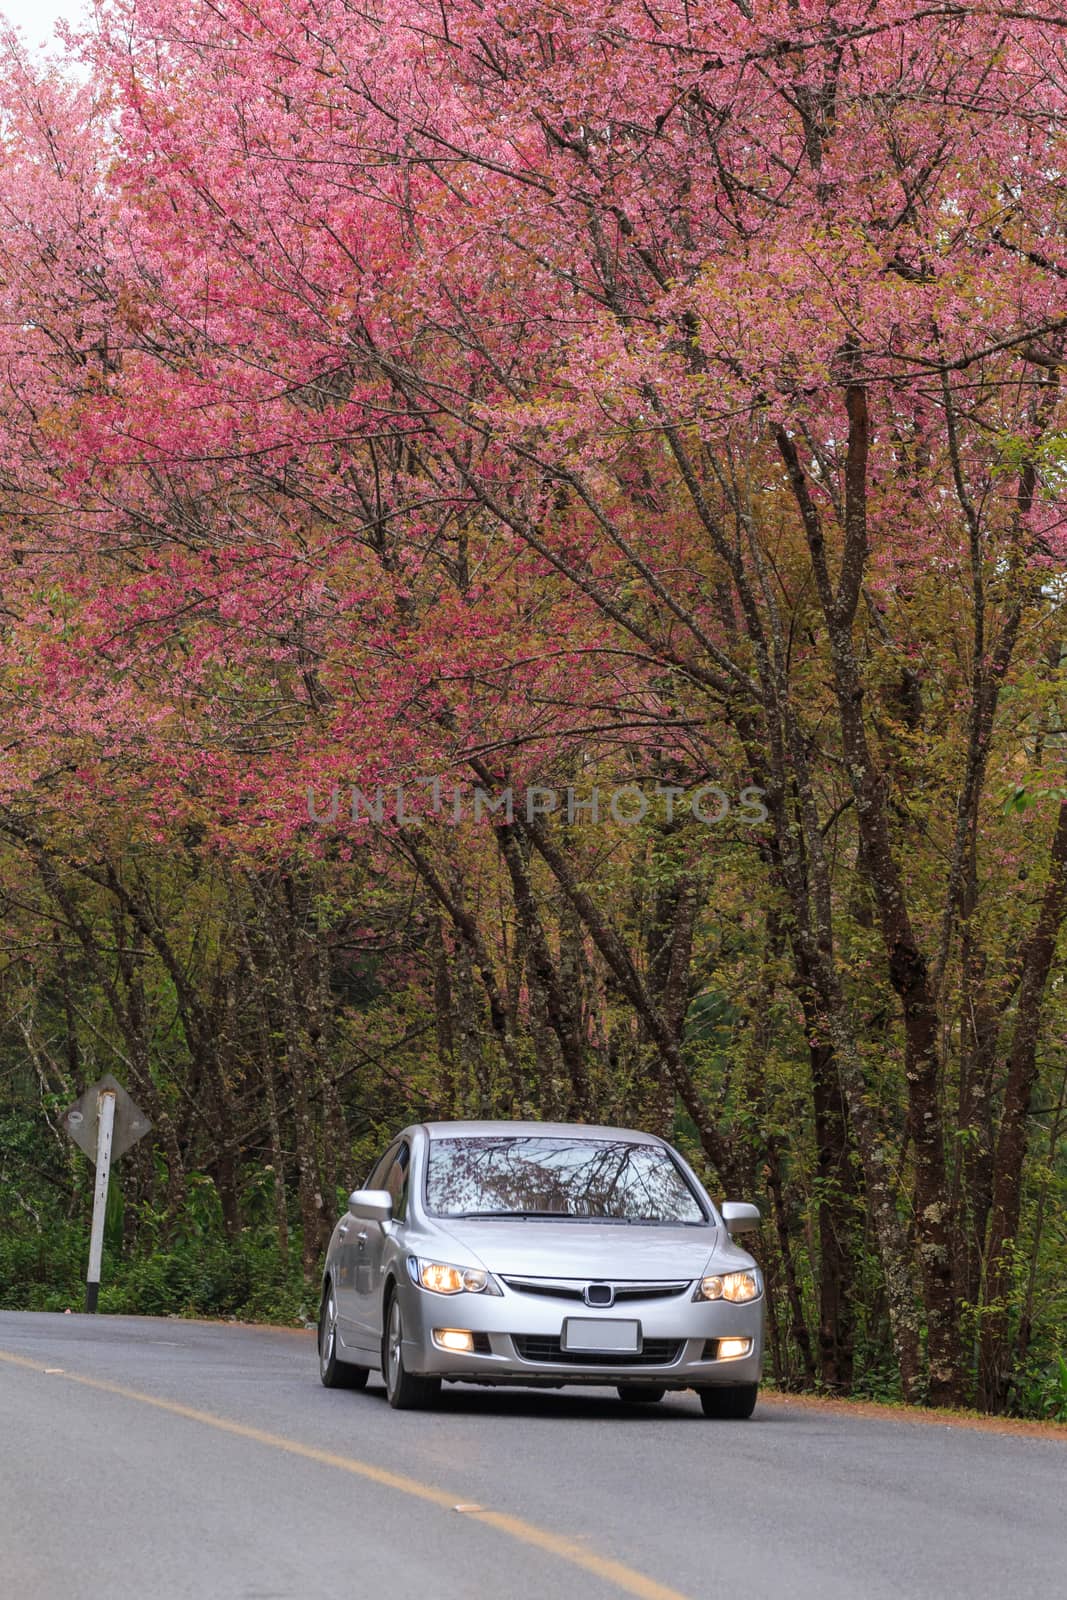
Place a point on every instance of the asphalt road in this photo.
(147, 1459)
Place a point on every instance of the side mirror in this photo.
(740, 1217)
(371, 1205)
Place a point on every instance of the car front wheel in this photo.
(404, 1391)
(733, 1403)
(334, 1373)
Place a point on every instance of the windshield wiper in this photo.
(562, 1216)
(477, 1216)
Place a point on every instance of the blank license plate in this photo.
(609, 1337)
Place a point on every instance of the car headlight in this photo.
(736, 1287)
(440, 1277)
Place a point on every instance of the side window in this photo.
(380, 1169)
(396, 1181)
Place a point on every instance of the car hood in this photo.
(537, 1249)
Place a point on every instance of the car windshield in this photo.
(539, 1176)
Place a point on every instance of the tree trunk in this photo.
(994, 1368)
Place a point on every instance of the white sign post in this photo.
(104, 1123)
(105, 1127)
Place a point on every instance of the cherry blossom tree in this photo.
(486, 394)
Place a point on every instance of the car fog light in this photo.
(460, 1339)
(730, 1349)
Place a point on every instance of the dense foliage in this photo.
(453, 402)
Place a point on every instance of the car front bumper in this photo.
(518, 1338)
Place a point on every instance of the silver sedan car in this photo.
(544, 1254)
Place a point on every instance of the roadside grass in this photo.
(900, 1411)
(243, 1278)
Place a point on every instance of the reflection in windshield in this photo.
(539, 1175)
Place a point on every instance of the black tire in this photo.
(637, 1392)
(403, 1391)
(731, 1404)
(335, 1374)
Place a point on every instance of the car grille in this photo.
(541, 1348)
(574, 1288)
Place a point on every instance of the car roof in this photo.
(548, 1130)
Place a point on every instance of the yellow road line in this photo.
(556, 1544)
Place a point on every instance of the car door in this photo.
(347, 1256)
(368, 1240)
